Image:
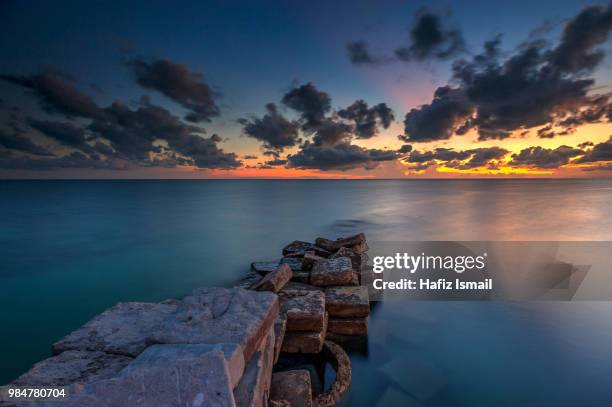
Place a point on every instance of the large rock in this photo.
(305, 342)
(265, 267)
(348, 326)
(309, 260)
(298, 248)
(163, 375)
(358, 260)
(334, 245)
(347, 301)
(305, 310)
(220, 315)
(275, 280)
(253, 389)
(333, 272)
(122, 329)
(293, 285)
(293, 386)
(73, 367)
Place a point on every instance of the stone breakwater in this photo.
(220, 346)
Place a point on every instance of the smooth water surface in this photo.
(70, 249)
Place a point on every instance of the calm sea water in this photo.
(70, 249)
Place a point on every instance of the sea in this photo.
(70, 249)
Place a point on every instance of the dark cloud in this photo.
(179, 83)
(276, 162)
(341, 157)
(406, 148)
(580, 39)
(273, 129)
(546, 158)
(460, 159)
(66, 133)
(535, 86)
(359, 54)
(331, 132)
(367, 120)
(430, 39)
(73, 160)
(56, 95)
(310, 103)
(439, 120)
(600, 152)
(21, 143)
(249, 157)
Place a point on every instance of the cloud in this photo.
(249, 157)
(273, 129)
(600, 152)
(180, 84)
(539, 157)
(66, 133)
(341, 157)
(367, 120)
(460, 159)
(447, 113)
(310, 103)
(56, 95)
(21, 143)
(73, 160)
(535, 86)
(430, 39)
(406, 148)
(331, 132)
(276, 162)
(359, 54)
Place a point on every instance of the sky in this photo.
(275, 89)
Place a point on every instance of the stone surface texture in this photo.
(347, 301)
(253, 389)
(305, 342)
(342, 364)
(305, 310)
(293, 386)
(334, 245)
(299, 247)
(122, 329)
(333, 272)
(348, 326)
(275, 280)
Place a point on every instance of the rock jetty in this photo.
(220, 346)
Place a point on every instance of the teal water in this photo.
(70, 249)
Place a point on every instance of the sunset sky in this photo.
(330, 89)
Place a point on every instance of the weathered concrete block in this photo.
(254, 387)
(265, 267)
(280, 327)
(309, 259)
(305, 342)
(275, 280)
(305, 310)
(348, 326)
(342, 364)
(333, 272)
(334, 245)
(298, 248)
(358, 260)
(73, 367)
(301, 277)
(122, 329)
(163, 375)
(220, 315)
(293, 285)
(293, 386)
(347, 301)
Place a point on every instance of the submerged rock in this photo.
(333, 272)
(305, 310)
(122, 329)
(292, 386)
(275, 280)
(334, 245)
(265, 267)
(220, 315)
(347, 301)
(298, 248)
